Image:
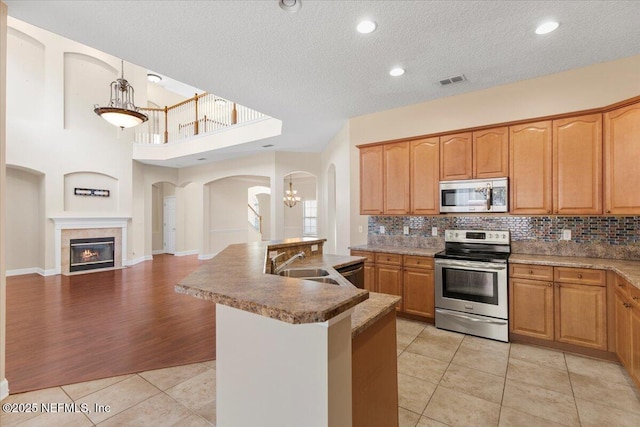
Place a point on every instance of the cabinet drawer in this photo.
(584, 276)
(529, 271)
(391, 259)
(418, 261)
(634, 294)
(622, 286)
(370, 256)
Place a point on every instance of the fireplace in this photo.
(91, 253)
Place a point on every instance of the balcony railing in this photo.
(204, 113)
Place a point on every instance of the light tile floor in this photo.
(444, 378)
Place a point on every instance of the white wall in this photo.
(24, 213)
(338, 153)
(579, 89)
(4, 385)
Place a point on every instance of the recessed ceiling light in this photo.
(396, 72)
(154, 78)
(366, 27)
(547, 27)
(290, 5)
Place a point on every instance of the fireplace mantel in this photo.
(64, 222)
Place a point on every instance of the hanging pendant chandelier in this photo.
(121, 111)
(290, 198)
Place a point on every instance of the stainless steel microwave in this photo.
(474, 195)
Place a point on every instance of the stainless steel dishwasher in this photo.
(353, 273)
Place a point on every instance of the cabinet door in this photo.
(634, 335)
(621, 154)
(581, 315)
(530, 168)
(623, 329)
(425, 175)
(371, 174)
(577, 165)
(396, 178)
(531, 308)
(389, 281)
(370, 278)
(418, 292)
(491, 153)
(456, 156)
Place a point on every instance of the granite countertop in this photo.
(403, 250)
(235, 277)
(630, 270)
(368, 312)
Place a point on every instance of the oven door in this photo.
(472, 287)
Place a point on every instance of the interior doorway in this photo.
(169, 225)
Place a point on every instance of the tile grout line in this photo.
(573, 393)
(504, 384)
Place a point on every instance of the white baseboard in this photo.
(31, 270)
(21, 271)
(185, 253)
(139, 260)
(207, 256)
(4, 388)
(158, 252)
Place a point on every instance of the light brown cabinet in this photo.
(491, 153)
(621, 154)
(531, 307)
(577, 165)
(456, 156)
(627, 326)
(388, 274)
(395, 180)
(425, 166)
(418, 286)
(371, 180)
(563, 304)
(530, 168)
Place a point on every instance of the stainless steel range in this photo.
(471, 283)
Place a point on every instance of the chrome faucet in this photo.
(275, 269)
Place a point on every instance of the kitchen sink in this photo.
(304, 272)
(322, 280)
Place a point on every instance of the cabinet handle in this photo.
(579, 276)
(549, 284)
(621, 285)
(608, 211)
(530, 271)
(636, 298)
(549, 211)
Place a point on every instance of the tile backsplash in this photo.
(595, 236)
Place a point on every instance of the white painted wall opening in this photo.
(228, 210)
(259, 213)
(160, 191)
(332, 230)
(169, 225)
(301, 219)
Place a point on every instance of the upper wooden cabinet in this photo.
(456, 156)
(396, 178)
(621, 154)
(425, 162)
(530, 148)
(371, 177)
(491, 153)
(577, 165)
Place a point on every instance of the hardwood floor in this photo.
(68, 329)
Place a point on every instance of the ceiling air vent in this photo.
(452, 79)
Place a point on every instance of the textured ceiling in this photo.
(312, 70)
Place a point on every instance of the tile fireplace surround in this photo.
(67, 228)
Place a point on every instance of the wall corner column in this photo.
(4, 385)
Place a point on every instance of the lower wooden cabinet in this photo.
(531, 308)
(627, 327)
(581, 315)
(573, 311)
(418, 292)
(389, 280)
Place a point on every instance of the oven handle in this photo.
(473, 319)
(471, 264)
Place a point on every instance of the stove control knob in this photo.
(504, 236)
(491, 236)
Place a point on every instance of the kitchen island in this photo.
(284, 345)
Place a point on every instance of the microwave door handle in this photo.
(489, 196)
